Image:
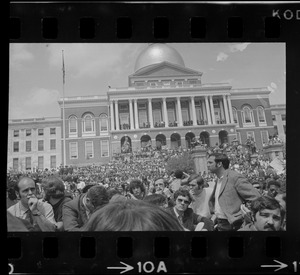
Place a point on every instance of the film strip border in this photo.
(191, 253)
(133, 22)
(171, 252)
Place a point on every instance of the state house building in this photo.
(165, 105)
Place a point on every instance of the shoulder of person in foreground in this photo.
(248, 227)
(71, 214)
(15, 224)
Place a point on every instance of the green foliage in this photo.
(183, 162)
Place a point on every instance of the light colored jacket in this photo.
(235, 189)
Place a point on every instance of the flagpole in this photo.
(64, 121)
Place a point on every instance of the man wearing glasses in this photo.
(185, 215)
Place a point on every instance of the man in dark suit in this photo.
(231, 190)
(77, 211)
(185, 215)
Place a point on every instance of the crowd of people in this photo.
(136, 192)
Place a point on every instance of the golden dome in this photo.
(157, 53)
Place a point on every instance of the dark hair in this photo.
(178, 174)
(265, 202)
(53, 187)
(132, 215)
(86, 188)
(98, 195)
(221, 158)
(200, 180)
(135, 184)
(157, 199)
(111, 192)
(184, 193)
(273, 182)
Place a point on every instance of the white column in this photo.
(203, 110)
(230, 109)
(194, 111)
(222, 109)
(131, 115)
(136, 114)
(226, 109)
(150, 112)
(117, 115)
(179, 114)
(112, 118)
(166, 119)
(207, 111)
(212, 109)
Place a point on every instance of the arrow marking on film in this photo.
(280, 266)
(126, 268)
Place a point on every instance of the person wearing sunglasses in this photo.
(185, 215)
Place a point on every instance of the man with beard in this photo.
(57, 196)
(266, 215)
(37, 212)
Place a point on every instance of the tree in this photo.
(183, 162)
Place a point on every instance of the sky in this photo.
(36, 75)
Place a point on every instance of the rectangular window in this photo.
(41, 163)
(73, 146)
(28, 146)
(142, 118)
(156, 116)
(40, 145)
(142, 106)
(73, 126)
(273, 117)
(185, 115)
(28, 132)
(16, 133)
(283, 117)
(153, 83)
(16, 164)
(284, 128)
(104, 148)
(123, 107)
(166, 82)
(216, 103)
(28, 163)
(103, 124)
(264, 137)
(139, 83)
(52, 144)
(16, 146)
(89, 149)
(52, 131)
(52, 162)
(40, 132)
(171, 115)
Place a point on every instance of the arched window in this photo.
(247, 115)
(72, 126)
(261, 115)
(103, 123)
(235, 116)
(88, 124)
